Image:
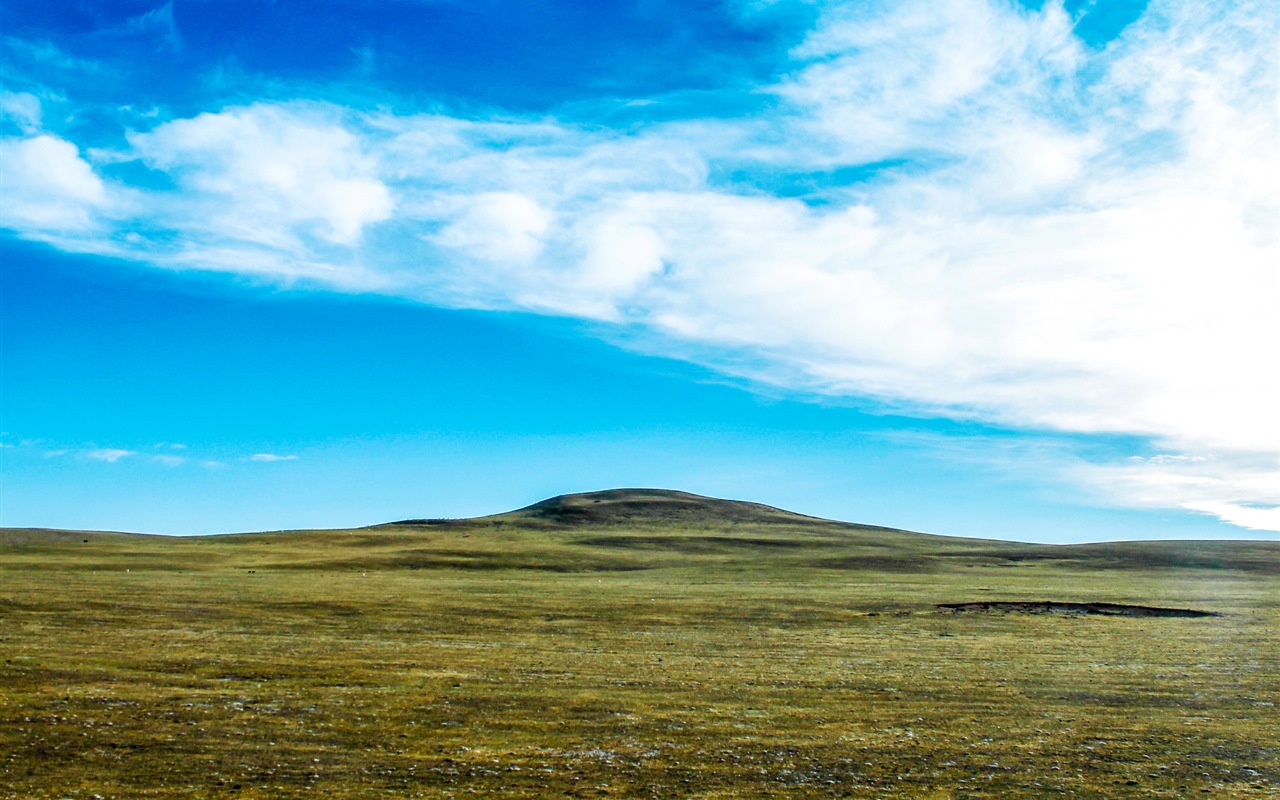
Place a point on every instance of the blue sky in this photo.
(976, 268)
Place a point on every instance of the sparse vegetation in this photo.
(631, 644)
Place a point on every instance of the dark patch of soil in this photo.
(1257, 557)
(690, 544)
(903, 563)
(1056, 607)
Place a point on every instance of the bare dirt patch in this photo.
(1057, 607)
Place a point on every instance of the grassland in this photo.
(630, 644)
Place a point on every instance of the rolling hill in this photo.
(622, 530)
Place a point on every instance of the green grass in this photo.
(642, 646)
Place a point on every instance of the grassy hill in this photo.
(618, 530)
(631, 643)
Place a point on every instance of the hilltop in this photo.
(659, 507)
(649, 508)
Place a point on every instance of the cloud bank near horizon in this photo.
(955, 208)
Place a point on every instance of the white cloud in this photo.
(283, 192)
(1237, 487)
(109, 455)
(1258, 518)
(1045, 235)
(883, 79)
(267, 457)
(169, 460)
(501, 227)
(48, 187)
(267, 175)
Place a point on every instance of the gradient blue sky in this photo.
(968, 267)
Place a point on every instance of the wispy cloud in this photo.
(110, 455)
(994, 220)
(170, 454)
(1239, 490)
(23, 109)
(48, 60)
(157, 24)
